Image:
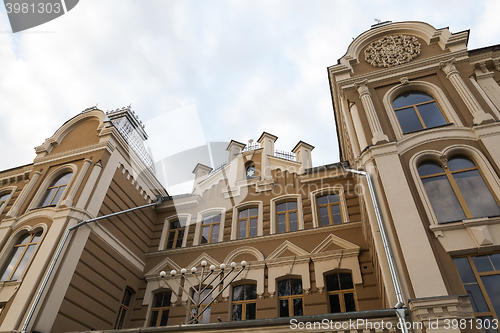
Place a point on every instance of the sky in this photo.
(199, 71)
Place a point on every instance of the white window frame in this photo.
(439, 96)
(199, 222)
(49, 179)
(242, 206)
(7, 190)
(166, 228)
(337, 189)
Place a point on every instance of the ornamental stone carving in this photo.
(392, 50)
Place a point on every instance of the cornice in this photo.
(17, 175)
(73, 153)
(253, 240)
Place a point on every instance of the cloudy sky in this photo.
(198, 71)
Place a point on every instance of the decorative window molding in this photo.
(11, 242)
(284, 198)
(439, 96)
(477, 157)
(248, 204)
(337, 189)
(6, 194)
(199, 223)
(166, 229)
(49, 180)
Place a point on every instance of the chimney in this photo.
(266, 141)
(303, 155)
(234, 148)
(201, 173)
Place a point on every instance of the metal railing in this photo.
(251, 146)
(285, 154)
(217, 168)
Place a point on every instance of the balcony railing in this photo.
(285, 154)
(251, 146)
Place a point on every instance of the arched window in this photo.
(287, 216)
(290, 298)
(4, 198)
(55, 190)
(244, 302)
(176, 233)
(160, 309)
(19, 256)
(340, 291)
(458, 191)
(329, 209)
(250, 171)
(417, 110)
(247, 222)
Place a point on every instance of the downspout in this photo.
(388, 253)
(159, 199)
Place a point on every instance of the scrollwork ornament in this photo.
(390, 51)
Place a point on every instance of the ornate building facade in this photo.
(402, 235)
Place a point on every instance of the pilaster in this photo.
(371, 114)
(24, 194)
(76, 185)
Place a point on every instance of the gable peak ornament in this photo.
(390, 51)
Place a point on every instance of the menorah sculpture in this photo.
(186, 285)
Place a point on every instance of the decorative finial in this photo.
(378, 21)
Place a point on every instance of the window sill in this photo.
(425, 129)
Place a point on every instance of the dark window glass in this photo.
(160, 309)
(408, 120)
(340, 291)
(55, 190)
(19, 256)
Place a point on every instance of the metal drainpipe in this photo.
(159, 199)
(388, 253)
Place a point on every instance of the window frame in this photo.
(484, 166)
(439, 96)
(243, 302)
(199, 225)
(123, 308)
(235, 218)
(159, 309)
(478, 276)
(274, 215)
(42, 188)
(13, 239)
(290, 297)
(9, 191)
(340, 292)
(166, 229)
(314, 195)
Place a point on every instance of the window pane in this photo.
(182, 221)
(4, 197)
(126, 297)
(23, 263)
(24, 239)
(11, 262)
(174, 225)
(431, 115)
(47, 197)
(482, 263)
(281, 223)
(237, 310)
(323, 200)
(281, 207)
(215, 234)
(180, 237)
(284, 288)
(251, 291)
(58, 195)
(294, 224)
(337, 218)
(296, 286)
(492, 286)
(121, 318)
(332, 282)
(350, 305)
(164, 318)
(408, 120)
(166, 299)
(205, 317)
(334, 303)
(204, 235)
(251, 310)
(495, 259)
(157, 300)
(443, 199)
(36, 238)
(253, 227)
(253, 212)
(476, 298)
(243, 229)
(333, 198)
(284, 308)
(170, 241)
(323, 213)
(346, 281)
(459, 163)
(476, 193)
(243, 213)
(62, 180)
(464, 270)
(291, 205)
(238, 293)
(216, 218)
(429, 168)
(410, 98)
(153, 319)
(297, 307)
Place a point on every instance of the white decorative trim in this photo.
(5, 190)
(337, 189)
(244, 250)
(287, 245)
(300, 212)
(166, 228)
(199, 222)
(428, 87)
(245, 205)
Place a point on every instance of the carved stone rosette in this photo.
(392, 50)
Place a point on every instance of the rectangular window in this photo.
(290, 298)
(481, 277)
(160, 309)
(287, 216)
(210, 229)
(176, 233)
(247, 222)
(329, 209)
(244, 302)
(124, 308)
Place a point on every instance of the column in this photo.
(350, 128)
(76, 185)
(371, 114)
(470, 101)
(484, 95)
(24, 193)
